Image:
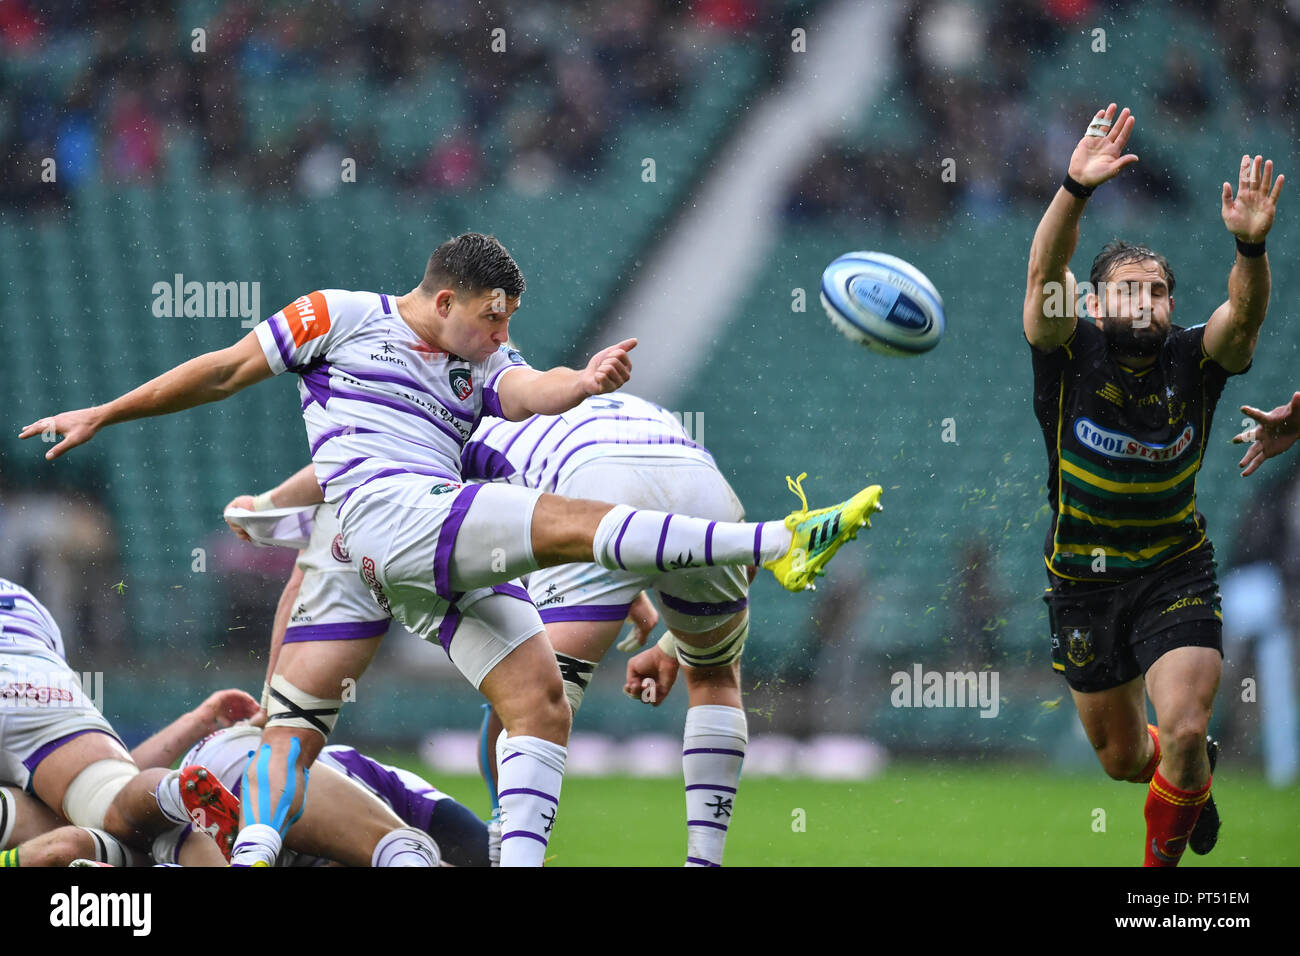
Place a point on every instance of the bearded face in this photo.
(1133, 308)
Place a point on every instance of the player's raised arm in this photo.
(1050, 288)
(225, 708)
(206, 378)
(527, 392)
(1232, 330)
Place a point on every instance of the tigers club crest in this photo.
(339, 552)
(1079, 646)
(462, 385)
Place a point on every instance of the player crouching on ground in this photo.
(1125, 403)
(62, 761)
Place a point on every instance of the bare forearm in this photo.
(282, 610)
(1249, 286)
(298, 490)
(1056, 238)
(164, 747)
(554, 392)
(203, 379)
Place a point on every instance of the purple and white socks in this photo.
(713, 749)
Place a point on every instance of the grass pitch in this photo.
(915, 814)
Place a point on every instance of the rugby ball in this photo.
(883, 302)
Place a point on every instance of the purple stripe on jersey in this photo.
(492, 382)
(316, 379)
(347, 466)
(524, 833)
(698, 862)
(585, 612)
(703, 607)
(307, 401)
(387, 785)
(447, 629)
(383, 300)
(392, 378)
(706, 823)
(339, 631)
(512, 590)
(663, 536)
(447, 540)
(517, 753)
(336, 432)
(389, 472)
(529, 791)
(407, 408)
(758, 543)
(40, 753)
(45, 639)
(708, 542)
(607, 442)
(709, 786)
(479, 461)
(528, 463)
(618, 542)
(713, 750)
(492, 406)
(281, 341)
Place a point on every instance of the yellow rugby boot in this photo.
(817, 535)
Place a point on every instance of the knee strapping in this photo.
(291, 707)
(721, 654)
(92, 792)
(259, 810)
(577, 675)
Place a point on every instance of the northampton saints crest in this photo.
(1079, 646)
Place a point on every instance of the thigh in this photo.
(321, 667)
(340, 820)
(489, 628)
(1113, 718)
(59, 768)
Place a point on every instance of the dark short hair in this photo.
(472, 262)
(1116, 252)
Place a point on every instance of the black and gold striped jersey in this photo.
(1124, 447)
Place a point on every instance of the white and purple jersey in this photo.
(376, 399)
(541, 451)
(25, 626)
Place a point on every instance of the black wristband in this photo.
(1251, 250)
(1076, 188)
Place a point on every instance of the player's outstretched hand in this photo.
(645, 618)
(650, 676)
(609, 369)
(1100, 154)
(239, 501)
(226, 708)
(1276, 432)
(77, 428)
(1249, 214)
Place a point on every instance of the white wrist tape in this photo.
(262, 502)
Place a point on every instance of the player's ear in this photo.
(442, 301)
(1092, 303)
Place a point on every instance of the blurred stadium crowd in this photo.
(105, 87)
